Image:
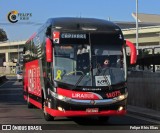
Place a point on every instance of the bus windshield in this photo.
(99, 63)
(71, 63)
(108, 67)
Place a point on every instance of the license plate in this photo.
(92, 110)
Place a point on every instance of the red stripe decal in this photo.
(37, 104)
(55, 113)
(78, 94)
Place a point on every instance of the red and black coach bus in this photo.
(65, 71)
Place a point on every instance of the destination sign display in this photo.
(73, 36)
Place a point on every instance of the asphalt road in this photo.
(13, 110)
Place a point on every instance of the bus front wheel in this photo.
(47, 116)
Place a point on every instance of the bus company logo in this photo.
(82, 95)
(14, 16)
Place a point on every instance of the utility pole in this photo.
(137, 41)
(18, 54)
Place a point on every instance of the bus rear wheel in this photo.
(47, 116)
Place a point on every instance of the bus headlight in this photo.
(121, 97)
(60, 97)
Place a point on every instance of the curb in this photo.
(144, 112)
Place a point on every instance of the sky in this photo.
(116, 10)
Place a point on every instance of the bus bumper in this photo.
(67, 113)
(62, 108)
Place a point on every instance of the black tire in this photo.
(91, 120)
(29, 105)
(103, 118)
(47, 116)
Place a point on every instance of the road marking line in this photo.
(10, 89)
(11, 94)
(6, 83)
(143, 118)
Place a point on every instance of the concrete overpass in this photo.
(149, 30)
(10, 52)
(148, 36)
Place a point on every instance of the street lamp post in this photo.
(137, 25)
(18, 54)
(159, 37)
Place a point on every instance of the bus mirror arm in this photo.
(49, 50)
(133, 55)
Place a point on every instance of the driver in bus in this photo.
(106, 63)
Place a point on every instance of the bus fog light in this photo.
(120, 108)
(60, 109)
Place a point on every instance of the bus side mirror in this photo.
(49, 50)
(133, 55)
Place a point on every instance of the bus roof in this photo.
(80, 24)
(84, 24)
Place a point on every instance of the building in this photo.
(149, 36)
(10, 52)
(149, 30)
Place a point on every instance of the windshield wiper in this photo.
(80, 79)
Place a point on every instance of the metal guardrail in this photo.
(144, 91)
